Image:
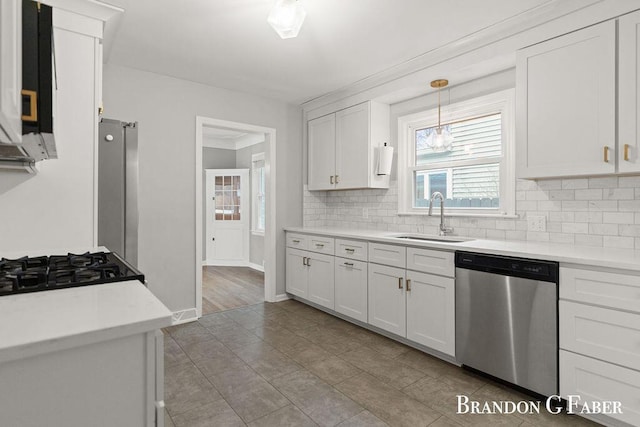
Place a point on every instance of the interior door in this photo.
(227, 216)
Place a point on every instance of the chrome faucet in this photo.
(438, 195)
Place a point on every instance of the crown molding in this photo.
(91, 8)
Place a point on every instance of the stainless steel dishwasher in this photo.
(507, 319)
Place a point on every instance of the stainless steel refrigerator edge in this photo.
(118, 188)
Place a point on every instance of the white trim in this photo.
(502, 102)
(90, 8)
(256, 267)
(270, 233)
(281, 297)
(257, 157)
(184, 316)
(238, 143)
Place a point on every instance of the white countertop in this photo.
(627, 259)
(42, 322)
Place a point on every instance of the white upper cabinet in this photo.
(322, 152)
(344, 148)
(10, 71)
(629, 93)
(566, 104)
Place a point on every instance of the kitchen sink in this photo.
(427, 238)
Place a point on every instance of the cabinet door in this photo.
(321, 279)
(352, 147)
(629, 93)
(431, 311)
(296, 276)
(566, 107)
(322, 152)
(10, 71)
(593, 380)
(387, 303)
(351, 288)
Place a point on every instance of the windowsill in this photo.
(462, 214)
(257, 233)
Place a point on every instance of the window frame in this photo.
(502, 102)
(255, 184)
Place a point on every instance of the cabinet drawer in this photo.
(601, 333)
(299, 241)
(395, 256)
(323, 245)
(352, 249)
(594, 380)
(430, 261)
(613, 290)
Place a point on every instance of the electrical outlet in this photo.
(365, 213)
(536, 223)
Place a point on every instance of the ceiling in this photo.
(228, 43)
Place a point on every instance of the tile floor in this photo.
(287, 364)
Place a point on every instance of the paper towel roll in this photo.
(385, 160)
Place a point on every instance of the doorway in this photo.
(232, 270)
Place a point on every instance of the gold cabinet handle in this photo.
(606, 154)
(296, 241)
(399, 282)
(337, 179)
(408, 285)
(626, 152)
(331, 179)
(319, 245)
(348, 264)
(304, 260)
(350, 250)
(308, 262)
(33, 105)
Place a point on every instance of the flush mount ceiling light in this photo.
(286, 18)
(440, 139)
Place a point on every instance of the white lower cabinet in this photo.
(296, 274)
(320, 279)
(387, 299)
(417, 306)
(430, 313)
(351, 288)
(310, 275)
(597, 381)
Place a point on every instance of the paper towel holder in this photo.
(385, 160)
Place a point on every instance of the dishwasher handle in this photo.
(545, 271)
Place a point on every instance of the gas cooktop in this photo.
(32, 274)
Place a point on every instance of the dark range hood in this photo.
(38, 142)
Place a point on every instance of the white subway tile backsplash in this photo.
(589, 194)
(605, 182)
(618, 242)
(599, 211)
(617, 217)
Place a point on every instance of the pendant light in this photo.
(441, 139)
(286, 18)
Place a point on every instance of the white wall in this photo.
(166, 109)
(54, 210)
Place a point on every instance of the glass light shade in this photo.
(440, 140)
(286, 18)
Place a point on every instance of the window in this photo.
(477, 176)
(258, 198)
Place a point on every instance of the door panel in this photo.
(321, 279)
(629, 93)
(387, 304)
(431, 311)
(322, 152)
(351, 288)
(296, 270)
(352, 142)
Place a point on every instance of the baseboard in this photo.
(226, 263)
(282, 297)
(256, 267)
(184, 316)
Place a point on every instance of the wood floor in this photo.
(225, 288)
